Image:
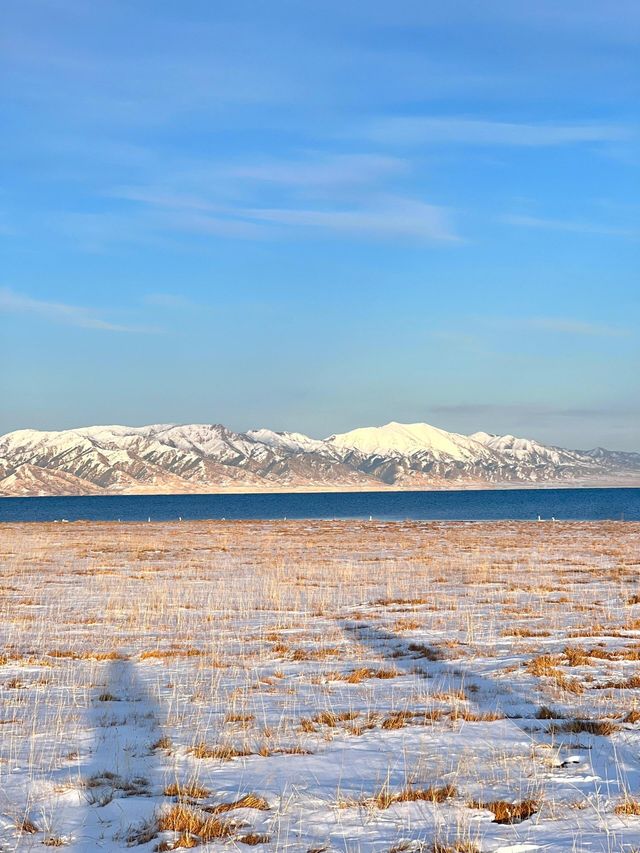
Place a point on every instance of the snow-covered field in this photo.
(320, 686)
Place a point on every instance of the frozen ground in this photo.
(320, 686)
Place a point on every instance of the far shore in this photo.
(632, 483)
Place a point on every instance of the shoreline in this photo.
(482, 487)
(326, 525)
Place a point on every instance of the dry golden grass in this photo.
(454, 847)
(249, 801)
(544, 665)
(475, 717)
(253, 838)
(239, 718)
(386, 798)
(191, 822)
(222, 752)
(628, 807)
(163, 654)
(330, 630)
(27, 825)
(189, 790)
(506, 812)
(329, 718)
(397, 720)
(75, 655)
(422, 650)
(363, 673)
(631, 683)
(602, 728)
(546, 713)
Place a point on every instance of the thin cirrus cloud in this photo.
(343, 194)
(531, 412)
(569, 326)
(315, 174)
(570, 226)
(59, 312)
(396, 217)
(380, 215)
(419, 130)
(169, 300)
(541, 323)
(549, 422)
(195, 223)
(337, 170)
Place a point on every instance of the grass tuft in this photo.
(249, 801)
(386, 798)
(506, 812)
(191, 822)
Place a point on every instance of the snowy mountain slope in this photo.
(405, 440)
(526, 450)
(292, 441)
(168, 458)
(618, 460)
(30, 480)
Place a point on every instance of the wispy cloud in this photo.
(571, 326)
(92, 231)
(612, 423)
(364, 215)
(530, 411)
(230, 225)
(484, 325)
(389, 217)
(59, 312)
(310, 193)
(570, 226)
(169, 300)
(324, 171)
(551, 324)
(423, 130)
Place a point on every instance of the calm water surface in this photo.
(524, 504)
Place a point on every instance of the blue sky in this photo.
(317, 216)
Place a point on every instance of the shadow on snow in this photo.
(122, 774)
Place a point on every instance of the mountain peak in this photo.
(405, 440)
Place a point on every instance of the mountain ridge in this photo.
(201, 458)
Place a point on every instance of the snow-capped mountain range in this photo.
(169, 458)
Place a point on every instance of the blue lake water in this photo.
(494, 504)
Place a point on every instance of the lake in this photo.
(490, 504)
